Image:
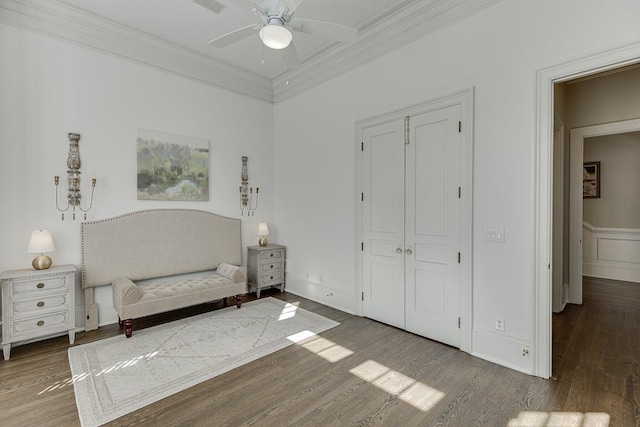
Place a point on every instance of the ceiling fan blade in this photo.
(324, 29)
(212, 5)
(290, 5)
(245, 4)
(234, 36)
(290, 56)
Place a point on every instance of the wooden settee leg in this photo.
(128, 327)
(238, 300)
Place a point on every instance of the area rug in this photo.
(116, 376)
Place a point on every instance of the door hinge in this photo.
(459, 126)
(362, 197)
(362, 296)
(362, 246)
(458, 323)
(549, 266)
(362, 146)
(458, 257)
(406, 130)
(459, 192)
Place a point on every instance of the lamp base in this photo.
(262, 241)
(41, 262)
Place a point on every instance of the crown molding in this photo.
(63, 22)
(404, 25)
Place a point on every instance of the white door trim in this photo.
(578, 136)
(543, 165)
(464, 99)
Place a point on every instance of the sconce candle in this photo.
(40, 243)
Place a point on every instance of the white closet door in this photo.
(432, 237)
(383, 223)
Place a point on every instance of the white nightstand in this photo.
(37, 303)
(265, 267)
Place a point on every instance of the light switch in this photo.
(494, 235)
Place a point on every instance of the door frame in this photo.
(578, 135)
(463, 99)
(543, 201)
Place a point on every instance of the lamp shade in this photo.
(263, 230)
(275, 36)
(41, 242)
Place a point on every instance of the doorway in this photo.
(576, 241)
(592, 65)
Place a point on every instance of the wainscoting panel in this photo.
(611, 253)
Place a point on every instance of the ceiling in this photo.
(174, 35)
(188, 24)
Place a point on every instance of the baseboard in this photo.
(340, 300)
(611, 272)
(511, 353)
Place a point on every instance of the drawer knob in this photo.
(40, 285)
(271, 255)
(271, 266)
(271, 278)
(40, 323)
(40, 304)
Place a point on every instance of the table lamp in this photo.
(263, 231)
(40, 243)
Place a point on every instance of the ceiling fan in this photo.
(277, 21)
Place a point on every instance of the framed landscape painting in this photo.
(591, 180)
(172, 167)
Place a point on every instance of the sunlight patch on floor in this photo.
(415, 393)
(58, 385)
(288, 311)
(127, 363)
(117, 366)
(320, 346)
(560, 419)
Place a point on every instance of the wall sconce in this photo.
(41, 242)
(247, 200)
(73, 196)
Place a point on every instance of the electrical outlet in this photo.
(500, 324)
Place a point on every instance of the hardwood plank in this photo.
(596, 363)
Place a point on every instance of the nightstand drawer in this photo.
(28, 288)
(32, 307)
(54, 321)
(272, 266)
(277, 254)
(272, 279)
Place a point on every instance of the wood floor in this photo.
(370, 374)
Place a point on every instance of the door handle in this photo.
(408, 252)
(398, 250)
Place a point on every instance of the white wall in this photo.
(498, 51)
(49, 88)
(619, 201)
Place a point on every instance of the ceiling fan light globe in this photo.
(275, 36)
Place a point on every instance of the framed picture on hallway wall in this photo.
(591, 180)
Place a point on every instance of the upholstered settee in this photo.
(159, 260)
(132, 300)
